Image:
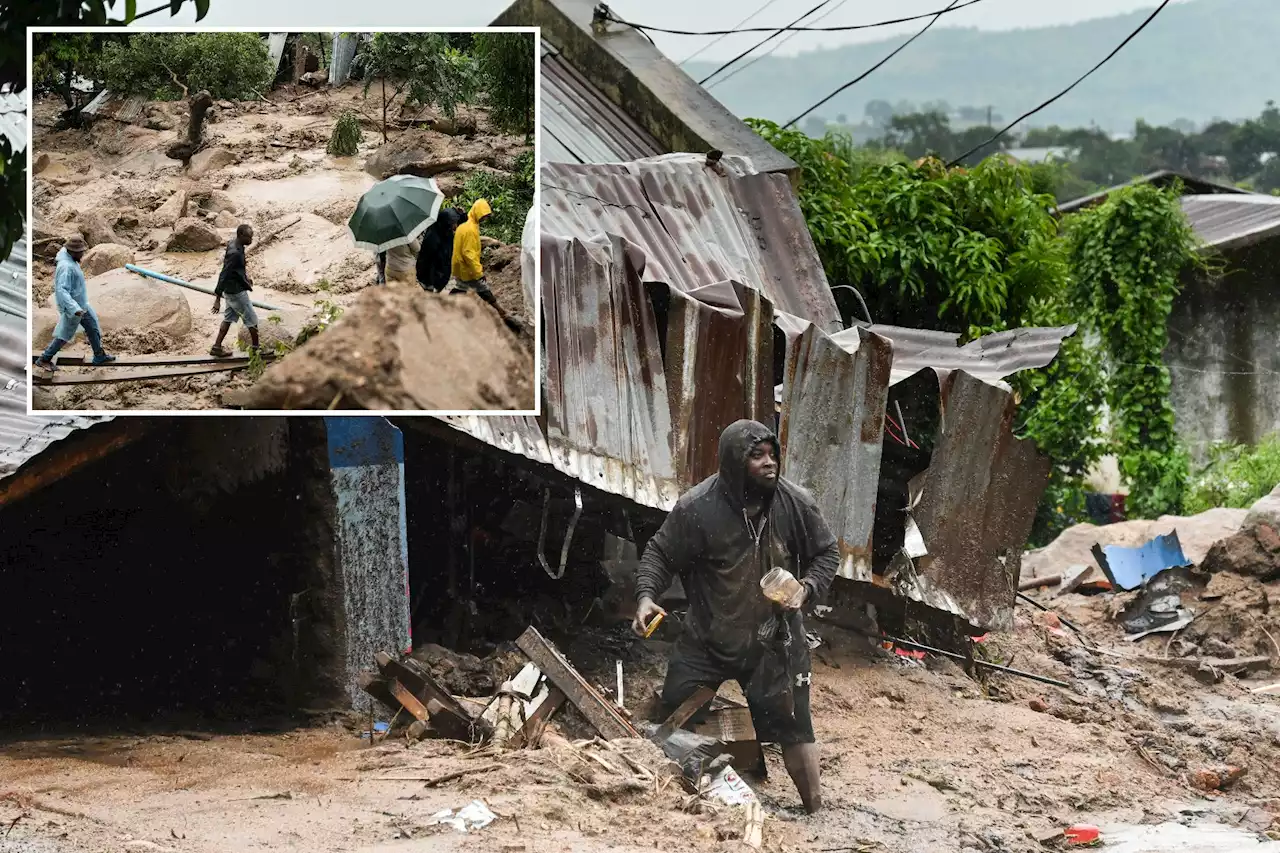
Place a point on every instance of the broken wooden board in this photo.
(601, 713)
(454, 723)
(753, 833)
(376, 686)
(528, 686)
(408, 701)
(701, 697)
(536, 723)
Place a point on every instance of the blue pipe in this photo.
(171, 280)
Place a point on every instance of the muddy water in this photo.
(303, 191)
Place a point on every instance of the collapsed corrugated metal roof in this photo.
(581, 125)
(111, 106)
(698, 225)
(1163, 178)
(22, 436)
(990, 358)
(1233, 221)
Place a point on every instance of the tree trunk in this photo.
(383, 82)
(195, 126)
(299, 58)
(68, 89)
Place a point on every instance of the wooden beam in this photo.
(531, 735)
(408, 701)
(65, 457)
(601, 713)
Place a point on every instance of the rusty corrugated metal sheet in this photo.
(990, 358)
(108, 105)
(832, 428)
(698, 225)
(975, 507)
(581, 125)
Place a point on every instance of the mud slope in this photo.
(400, 348)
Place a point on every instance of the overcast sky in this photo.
(672, 14)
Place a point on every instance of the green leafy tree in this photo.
(422, 67)
(510, 197)
(234, 66)
(507, 63)
(1128, 255)
(58, 59)
(346, 136)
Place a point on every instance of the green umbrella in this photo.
(394, 212)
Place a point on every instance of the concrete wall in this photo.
(1224, 351)
(366, 457)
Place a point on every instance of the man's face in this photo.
(75, 256)
(247, 237)
(762, 465)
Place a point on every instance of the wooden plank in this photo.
(689, 707)
(407, 700)
(753, 834)
(531, 735)
(599, 712)
(77, 450)
(151, 360)
(454, 722)
(111, 378)
(1036, 583)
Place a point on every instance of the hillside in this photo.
(1199, 60)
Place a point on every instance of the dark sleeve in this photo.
(664, 556)
(233, 269)
(222, 278)
(821, 550)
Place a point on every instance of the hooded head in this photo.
(480, 210)
(749, 458)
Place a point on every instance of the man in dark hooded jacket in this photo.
(435, 258)
(722, 537)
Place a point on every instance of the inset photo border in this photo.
(226, 221)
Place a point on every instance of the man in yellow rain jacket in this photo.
(468, 271)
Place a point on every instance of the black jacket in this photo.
(705, 539)
(435, 258)
(233, 278)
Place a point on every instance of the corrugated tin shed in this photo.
(581, 125)
(1233, 221)
(13, 119)
(1163, 178)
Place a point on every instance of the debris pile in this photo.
(690, 757)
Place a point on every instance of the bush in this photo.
(1235, 476)
(232, 66)
(510, 196)
(347, 135)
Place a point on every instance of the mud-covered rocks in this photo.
(171, 211)
(125, 301)
(426, 154)
(1265, 511)
(96, 228)
(225, 219)
(193, 235)
(1253, 552)
(210, 160)
(272, 333)
(104, 257)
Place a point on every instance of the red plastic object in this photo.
(1083, 833)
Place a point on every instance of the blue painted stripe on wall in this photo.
(355, 441)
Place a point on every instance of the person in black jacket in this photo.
(234, 283)
(722, 537)
(435, 258)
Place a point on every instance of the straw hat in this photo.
(76, 243)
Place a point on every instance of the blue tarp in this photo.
(1130, 568)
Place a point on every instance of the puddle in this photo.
(1176, 838)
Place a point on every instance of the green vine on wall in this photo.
(1128, 255)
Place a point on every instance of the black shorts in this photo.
(691, 667)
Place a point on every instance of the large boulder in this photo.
(104, 257)
(1265, 511)
(126, 301)
(271, 333)
(226, 219)
(214, 201)
(1253, 552)
(427, 154)
(210, 160)
(192, 235)
(95, 227)
(171, 211)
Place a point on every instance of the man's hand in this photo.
(801, 597)
(217, 305)
(646, 611)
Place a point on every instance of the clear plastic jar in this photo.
(781, 587)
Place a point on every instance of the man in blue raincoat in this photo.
(74, 311)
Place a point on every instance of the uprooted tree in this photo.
(163, 66)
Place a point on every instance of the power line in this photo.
(776, 47)
(864, 75)
(792, 26)
(761, 43)
(1065, 91)
(721, 38)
